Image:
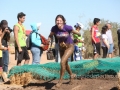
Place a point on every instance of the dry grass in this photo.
(21, 79)
(118, 80)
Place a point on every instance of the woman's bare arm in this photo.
(50, 36)
(76, 32)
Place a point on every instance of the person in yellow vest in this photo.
(2, 73)
(20, 40)
(78, 27)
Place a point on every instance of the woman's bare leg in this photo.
(64, 61)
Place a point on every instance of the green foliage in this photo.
(87, 37)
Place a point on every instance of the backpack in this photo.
(28, 41)
(45, 42)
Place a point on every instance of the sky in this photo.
(45, 11)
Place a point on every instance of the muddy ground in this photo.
(84, 84)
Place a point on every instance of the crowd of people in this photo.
(103, 39)
(69, 43)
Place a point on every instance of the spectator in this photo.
(2, 73)
(118, 33)
(78, 27)
(36, 43)
(96, 38)
(5, 39)
(110, 39)
(66, 47)
(77, 55)
(105, 44)
(20, 40)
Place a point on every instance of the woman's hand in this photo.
(42, 45)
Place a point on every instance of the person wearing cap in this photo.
(118, 33)
(36, 43)
(20, 42)
(78, 27)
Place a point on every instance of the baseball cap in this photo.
(78, 24)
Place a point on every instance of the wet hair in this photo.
(75, 41)
(62, 17)
(104, 29)
(20, 15)
(96, 20)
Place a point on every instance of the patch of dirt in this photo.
(84, 84)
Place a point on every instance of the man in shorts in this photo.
(110, 40)
(20, 40)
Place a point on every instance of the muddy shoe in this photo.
(72, 77)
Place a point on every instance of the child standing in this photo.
(105, 44)
(77, 55)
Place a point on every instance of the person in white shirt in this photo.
(104, 41)
(110, 39)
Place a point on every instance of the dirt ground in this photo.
(82, 84)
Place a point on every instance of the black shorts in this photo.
(22, 55)
(96, 48)
(1, 62)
